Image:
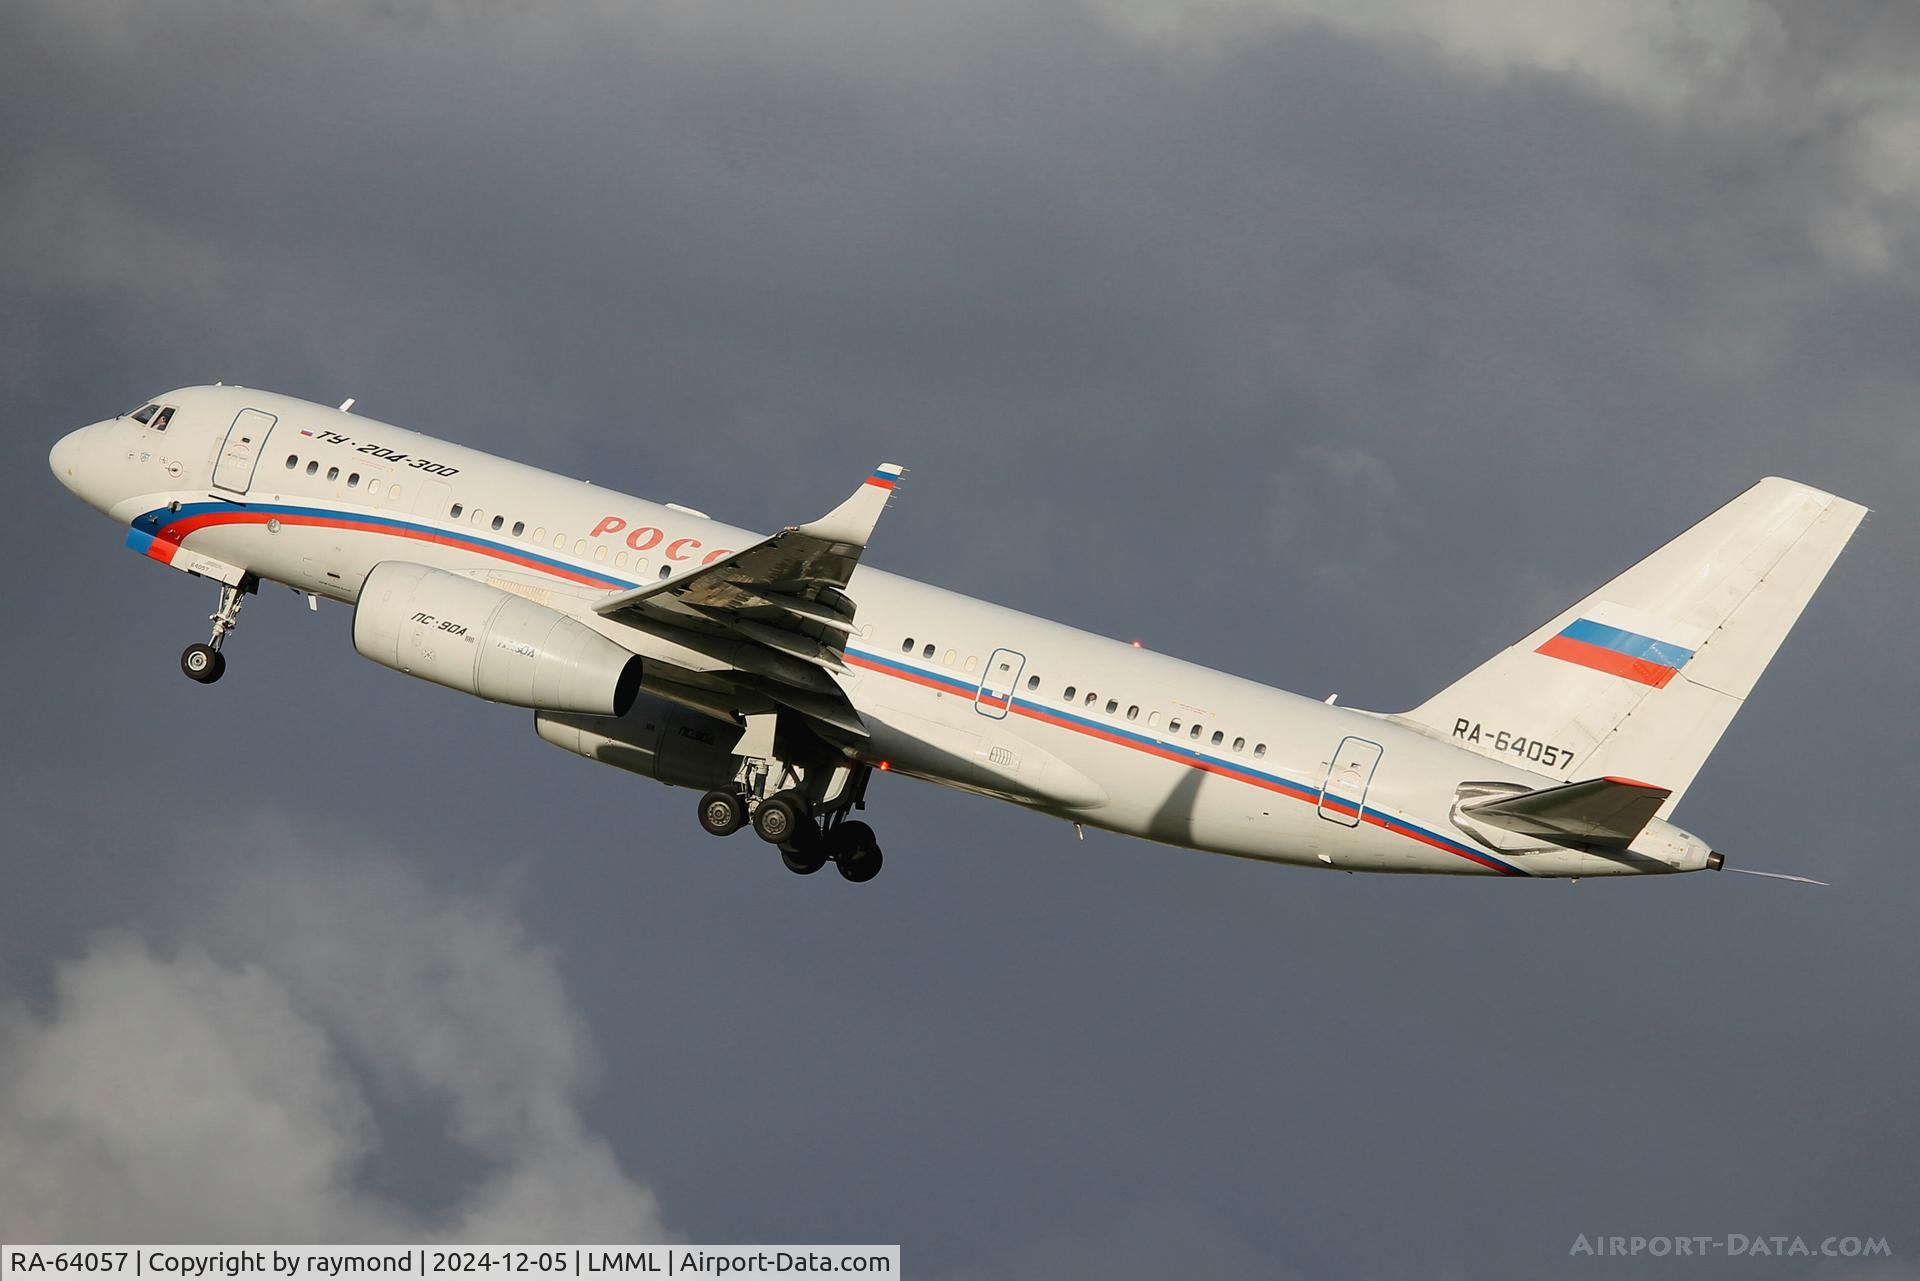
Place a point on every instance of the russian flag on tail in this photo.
(1619, 651)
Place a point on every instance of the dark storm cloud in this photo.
(1335, 347)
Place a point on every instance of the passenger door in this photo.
(1343, 794)
(241, 450)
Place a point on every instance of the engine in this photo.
(468, 636)
(659, 739)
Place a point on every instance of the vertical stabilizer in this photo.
(1641, 678)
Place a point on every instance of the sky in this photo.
(1333, 345)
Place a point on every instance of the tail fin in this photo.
(1641, 678)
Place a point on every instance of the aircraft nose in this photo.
(65, 457)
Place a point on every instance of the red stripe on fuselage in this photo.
(172, 535)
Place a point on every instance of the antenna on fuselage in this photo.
(346, 406)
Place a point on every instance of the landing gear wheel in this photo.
(202, 663)
(860, 865)
(781, 817)
(806, 858)
(722, 813)
(855, 851)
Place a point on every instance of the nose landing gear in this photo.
(205, 663)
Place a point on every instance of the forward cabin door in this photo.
(1343, 795)
(997, 683)
(241, 450)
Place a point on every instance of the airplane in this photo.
(777, 674)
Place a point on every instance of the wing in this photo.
(777, 611)
(1605, 812)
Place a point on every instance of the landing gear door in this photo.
(241, 450)
(1343, 796)
(997, 683)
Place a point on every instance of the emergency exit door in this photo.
(995, 694)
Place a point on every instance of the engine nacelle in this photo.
(659, 739)
(477, 639)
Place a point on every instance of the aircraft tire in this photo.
(856, 852)
(203, 663)
(780, 817)
(806, 858)
(722, 813)
(860, 865)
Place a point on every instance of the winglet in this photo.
(852, 522)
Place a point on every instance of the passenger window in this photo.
(1092, 698)
(1239, 744)
(1259, 749)
(1218, 736)
(1153, 719)
(353, 480)
(333, 473)
(1033, 682)
(1194, 732)
(373, 489)
(579, 547)
(292, 462)
(519, 528)
(161, 419)
(313, 469)
(477, 517)
(666, 571)
(1113, 705)
(144, 414)
(973, 662)
(948, 660)
(620, 560)
(600, 552)
(540, 534)
(926, 651)
(1069, 694)
(1173, 726)
(393, 493)
(455, 513)
(1133, 713)
(559, 542)
(906, 646)
(498, 521)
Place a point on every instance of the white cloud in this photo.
(1653, 52)
(1732, 65)
(216, 1090)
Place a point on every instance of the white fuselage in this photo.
(1096, 731)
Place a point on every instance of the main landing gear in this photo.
(806, 843)
(205, 663)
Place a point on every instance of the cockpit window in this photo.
(161, 419)
(145, 413)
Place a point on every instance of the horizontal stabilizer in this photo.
(1606, 812)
